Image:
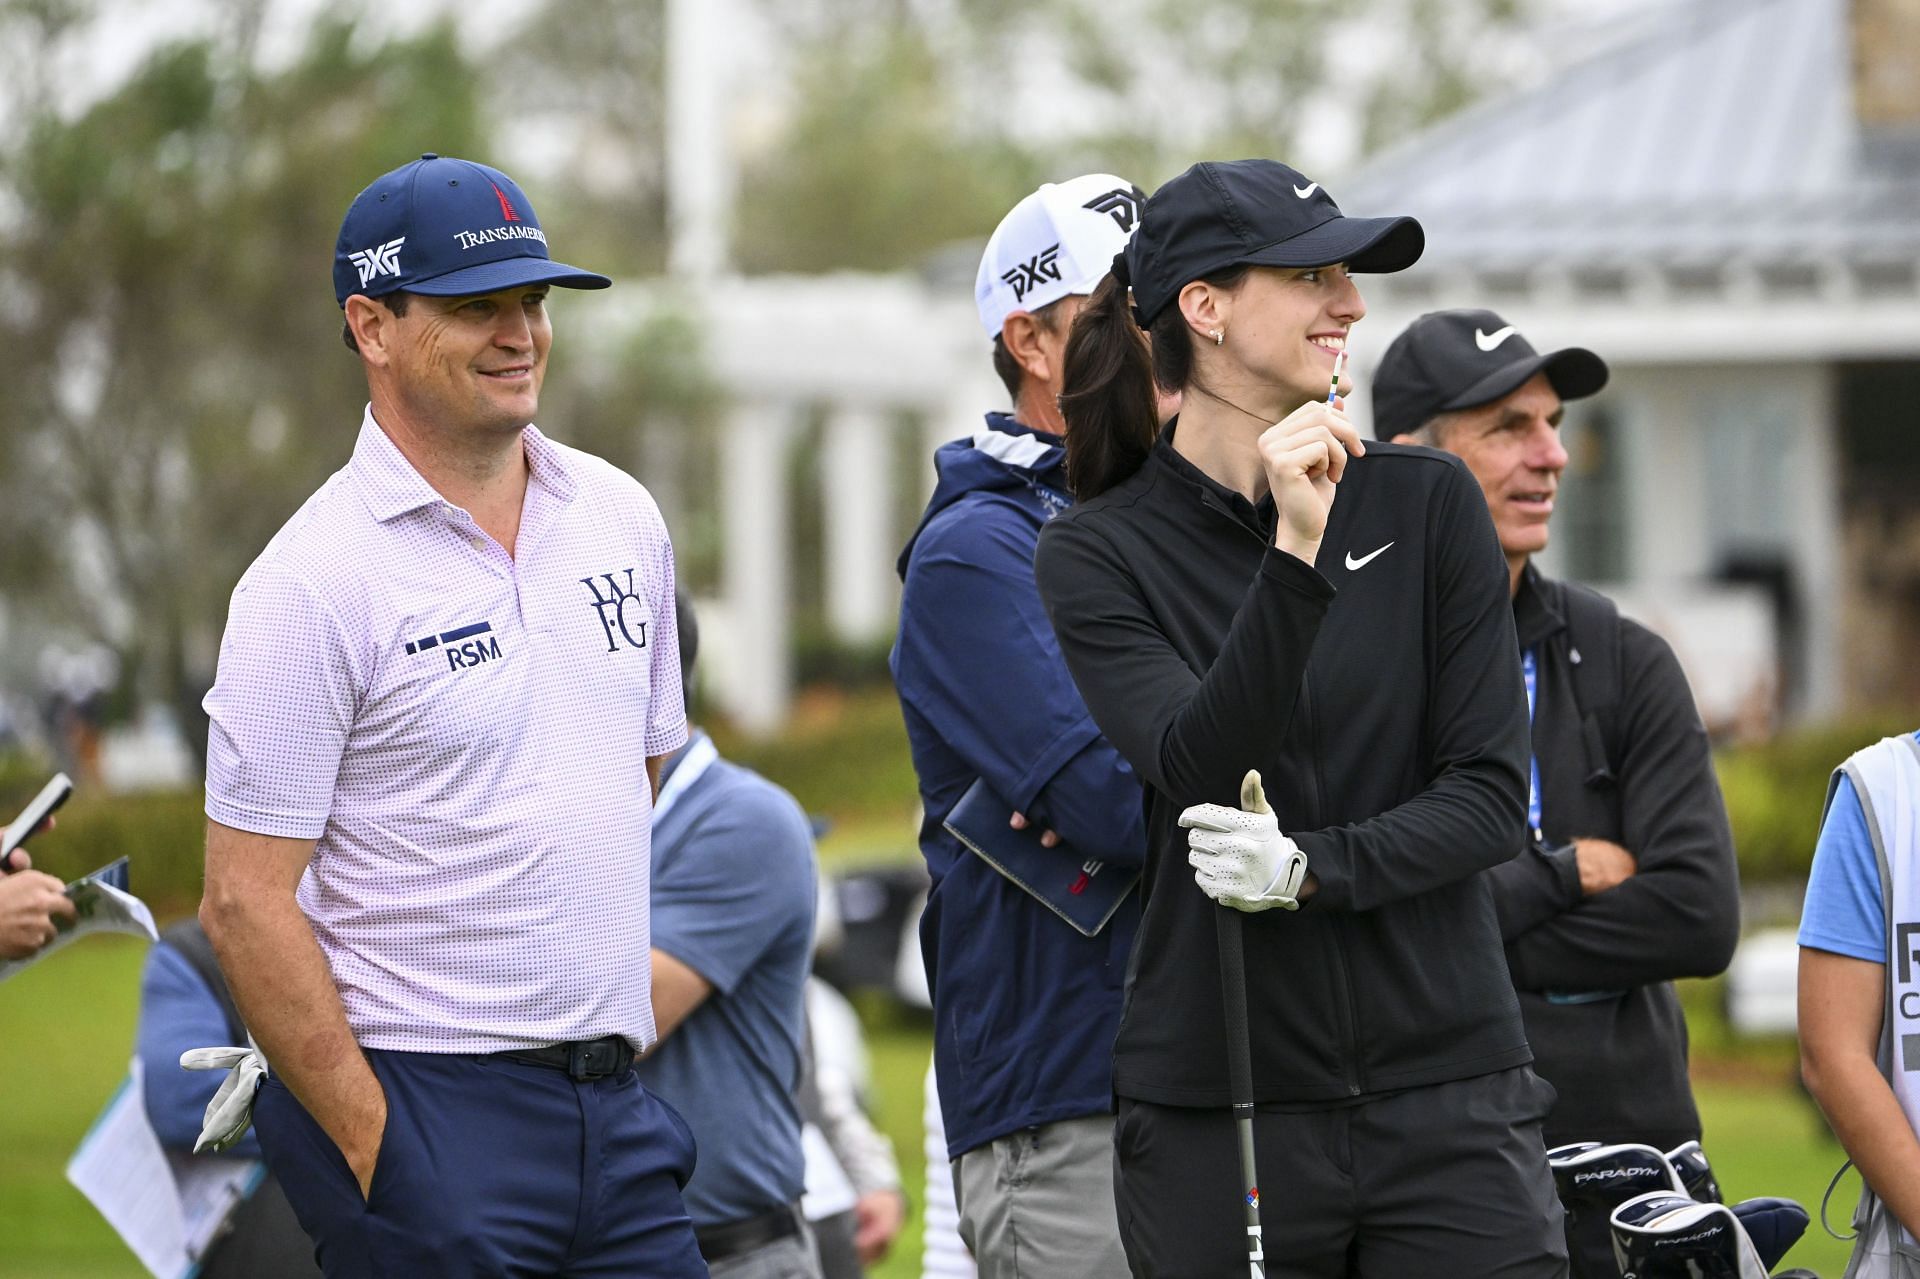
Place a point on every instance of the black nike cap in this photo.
(1255, 213)
(1448, 360)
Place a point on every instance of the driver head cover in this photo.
(1593, 1178)
(1774, 1226)
(1669, 1236)
(1695, 1173)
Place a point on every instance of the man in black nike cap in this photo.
(1626, 878)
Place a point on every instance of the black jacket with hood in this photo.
(1595, 974)
(1379, 696)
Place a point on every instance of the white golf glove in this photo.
(231, 1110)
(1238, 855)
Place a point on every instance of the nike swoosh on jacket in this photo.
(1386, 712)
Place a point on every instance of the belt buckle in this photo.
(594, 1058)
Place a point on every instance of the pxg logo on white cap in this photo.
(1055, 243)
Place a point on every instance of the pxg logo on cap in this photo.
(1055, 243)
(447, 228)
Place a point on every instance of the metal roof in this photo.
(1727, 135)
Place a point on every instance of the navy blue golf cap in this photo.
(448, 228)
(1254, 213)
(1450, 360)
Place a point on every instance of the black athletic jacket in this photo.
(1379, 697)
(1595, 974)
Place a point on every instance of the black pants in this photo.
(1448, 1181)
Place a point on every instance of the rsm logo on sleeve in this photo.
(464, 646)
(616, 619)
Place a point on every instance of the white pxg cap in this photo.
(1056, 243)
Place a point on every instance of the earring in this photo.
(1218, 335)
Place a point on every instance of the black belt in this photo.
(732, 1238)
(586, 1059)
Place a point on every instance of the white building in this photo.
(1728, 210)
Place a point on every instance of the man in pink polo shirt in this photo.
(444, 693)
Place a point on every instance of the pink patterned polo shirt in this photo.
(465, 734)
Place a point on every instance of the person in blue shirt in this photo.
(184, 1004)
(1025, 1007)
(733, 909)
(1844, 993)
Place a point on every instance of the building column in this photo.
(752, 668)
(856, 482)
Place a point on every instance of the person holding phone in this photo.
(31, 903)
(30, 900)
(1254, 588)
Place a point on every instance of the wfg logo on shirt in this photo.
(612, 609)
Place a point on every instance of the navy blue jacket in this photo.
(1025, 1008)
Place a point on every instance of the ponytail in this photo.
(1106, 394)
(1108, 389)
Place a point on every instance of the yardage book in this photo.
(1080, 890)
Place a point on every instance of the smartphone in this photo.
(51, 796)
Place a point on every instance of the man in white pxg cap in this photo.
(1025, 1003)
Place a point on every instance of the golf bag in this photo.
(1667, 1236)
(1592, 1181)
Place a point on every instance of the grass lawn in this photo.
(66, 1029)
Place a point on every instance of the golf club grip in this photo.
(1233, 994)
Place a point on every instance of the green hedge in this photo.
(843, 754)
(162, 833)
(1775, 792)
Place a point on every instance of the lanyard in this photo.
(700, 756)
(1529, 667)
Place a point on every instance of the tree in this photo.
(914, 123)
(178, 380)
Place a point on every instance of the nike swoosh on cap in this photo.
(1307, 190)
(1365, 560)
(1487, 341)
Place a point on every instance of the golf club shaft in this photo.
(1233, 992)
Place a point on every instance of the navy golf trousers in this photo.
(492, 1167)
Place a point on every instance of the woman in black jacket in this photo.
(1221, 611)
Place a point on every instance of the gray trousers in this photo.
(1038, 1204)
(791, 1258)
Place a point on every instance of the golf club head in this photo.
(1663, 1235)
(1695, 1173)
(1593, 1180)
(1774, 1225)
